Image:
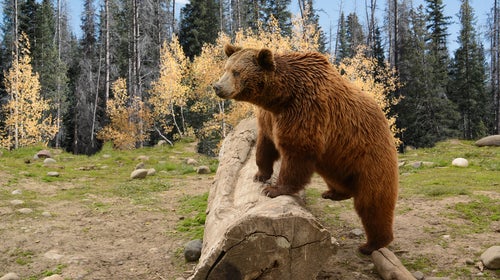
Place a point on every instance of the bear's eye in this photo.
(236, 73)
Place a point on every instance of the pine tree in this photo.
(277, 9)
(468, 78)
(199, 24)
(354, 34)
(424, 116)
(342, 46)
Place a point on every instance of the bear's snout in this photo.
(219, 90)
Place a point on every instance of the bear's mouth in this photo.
(220, 92)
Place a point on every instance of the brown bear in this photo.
(316, 121)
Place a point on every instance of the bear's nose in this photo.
(217, 89)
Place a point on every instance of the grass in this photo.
(194, 208)
(442, 179)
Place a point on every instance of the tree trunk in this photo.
(251, 236)
(389, 266)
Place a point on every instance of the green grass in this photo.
(479, 213)
(442, 179)
(194, 208)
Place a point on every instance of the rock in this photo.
(1, 153)
(106, 156)
(53, 255)
(203, 170)
(46, 214)
(469, 262)
(54, 277)
(356, 233)
(491, 257)
(460, 162)
(10, 276)
(43, 154)
(139, 174)
(17, 192)
(192, 250)
(492, 140)
(416, 164)
(428, 163)
(25, 210)
(49, 161)
(418, 275)
(151, 171)
(16, 202)
(140, 165)
(53, 174)
(401, 163)
(191, 161)
(142, 158)
(161, 143)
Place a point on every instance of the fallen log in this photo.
(389, 266)
(251, 236)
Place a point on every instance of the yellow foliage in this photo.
(26, 122)
(379, 82)
(129, 118)
(170, 89)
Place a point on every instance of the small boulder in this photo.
(142, 158)
(192, 250)
(25, 210)
(140, 165)
(151, 171)
(43, 154)
(53, 277)
(17, 192)
(356, 233)
(139, 174)
(491, 257)
(16, 202)
(10, 276)
(418, 275)
(492, 140)
(203, 170)
(49, 161)
(106, 156)
(161, 143)
(460, 162)
(191, 161)
(416, 164)
(53, 174)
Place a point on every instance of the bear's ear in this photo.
(230, 49)
(265, 59)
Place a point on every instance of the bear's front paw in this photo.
(261, 177)
(274, 191)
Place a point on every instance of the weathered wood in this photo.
(250, 236)
(389, 266)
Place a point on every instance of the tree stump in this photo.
(251, 236)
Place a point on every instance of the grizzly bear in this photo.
(316, 121)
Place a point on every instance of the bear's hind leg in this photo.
(335, 192)
(377, 215)
(266, 155)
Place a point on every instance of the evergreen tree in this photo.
(354, 34)
(424, 116)
(199, 24)
(278, 9)
(468, 79)
(341, 45)
(84, 120)
(311, 17)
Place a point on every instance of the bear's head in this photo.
(246, 73)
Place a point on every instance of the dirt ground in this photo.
(122, 240)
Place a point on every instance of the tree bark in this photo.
(251, 236)
(389, 266)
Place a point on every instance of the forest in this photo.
(140, 73)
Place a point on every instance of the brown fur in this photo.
(316, 121)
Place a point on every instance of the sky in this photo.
(329, 14)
